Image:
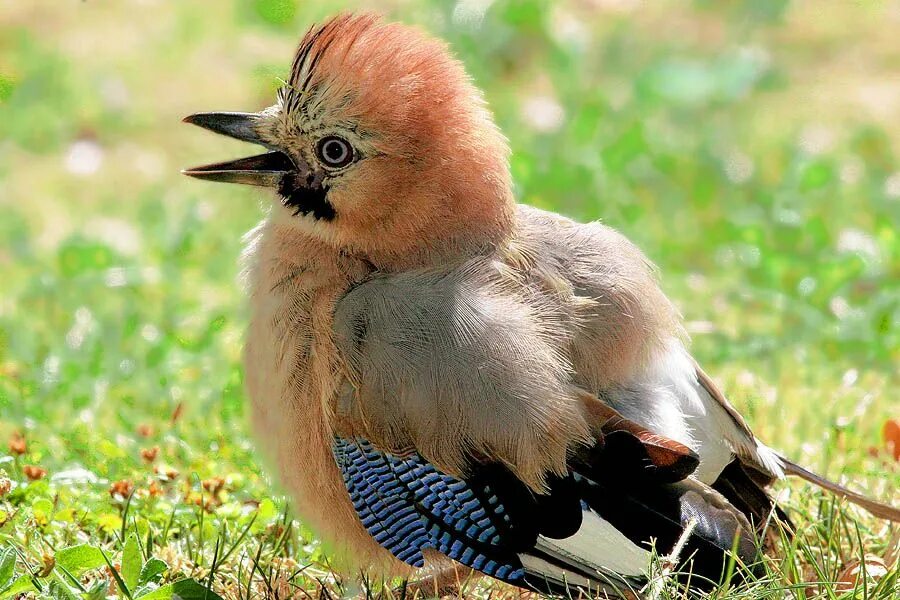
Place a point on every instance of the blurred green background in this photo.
(748, 146)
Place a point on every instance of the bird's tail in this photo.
(879, 509)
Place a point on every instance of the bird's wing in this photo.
(627, 345)
(673, 395)
(483, 357)
(593, 529)
(459, 362)
(460, 429)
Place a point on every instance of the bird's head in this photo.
(378, 145)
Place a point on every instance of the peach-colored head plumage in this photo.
(434, 179)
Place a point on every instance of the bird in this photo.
(447, 381)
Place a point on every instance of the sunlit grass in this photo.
(748, 147)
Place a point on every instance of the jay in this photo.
(444, 377)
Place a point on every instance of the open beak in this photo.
(263, 170)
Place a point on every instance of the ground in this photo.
(749, 147)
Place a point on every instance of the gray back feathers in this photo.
(483, 357)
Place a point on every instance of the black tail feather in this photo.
(742, 488)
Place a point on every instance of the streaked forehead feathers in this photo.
(338, 34)
(356, 66)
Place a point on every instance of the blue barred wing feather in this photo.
(408, 506)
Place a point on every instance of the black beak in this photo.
(264, 170)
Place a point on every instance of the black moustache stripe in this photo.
(306, 200)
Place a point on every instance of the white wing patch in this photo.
(596, 545)
(668, 399)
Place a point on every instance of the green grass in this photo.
(748, 146)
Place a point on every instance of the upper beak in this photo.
(264, 169)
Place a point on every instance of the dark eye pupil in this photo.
(335, 151)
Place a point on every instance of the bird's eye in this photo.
(335, 151)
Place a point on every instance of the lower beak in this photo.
(263, 170)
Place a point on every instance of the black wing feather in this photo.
(490, 520)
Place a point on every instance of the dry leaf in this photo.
(851, 577)
(165, 472)
(149, 454)
(17, 444)
(34, 472)
(48, 561)
(176, 414)
(213, 485)
(145, 430)
(893, 553)
(207, 503)
(121, 489)
(111, 577)
(154, 490)
(891, 434)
